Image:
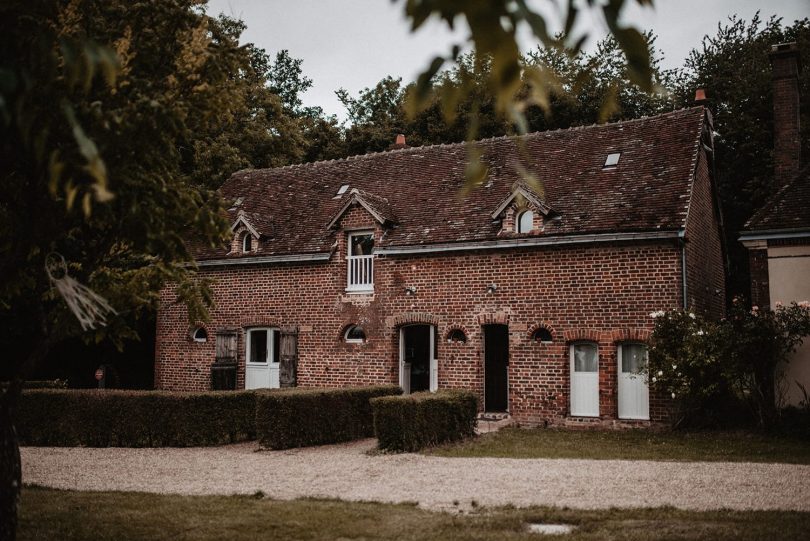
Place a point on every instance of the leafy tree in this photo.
(108, 110)
(734, 68)
(493, 27)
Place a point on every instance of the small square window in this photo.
(613, 159)
(343, 189)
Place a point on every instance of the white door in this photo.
(262, 359)
(584, 380)
(634, 394)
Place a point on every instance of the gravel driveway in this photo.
(349, 473)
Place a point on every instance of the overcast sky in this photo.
(352, 44)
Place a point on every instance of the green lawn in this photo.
(67, 515)
(631, 445)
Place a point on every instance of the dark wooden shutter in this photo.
(226, 345)
(288, 369)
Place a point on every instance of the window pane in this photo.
(355, 333)
(525, 222)
(258, 346)
(585, 358)
(361, 244)
(634, 358)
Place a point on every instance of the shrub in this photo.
(113, 418)
(701, 364)
(409, 423)
(301, 417)
(45, 384)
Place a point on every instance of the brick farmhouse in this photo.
(533, 289)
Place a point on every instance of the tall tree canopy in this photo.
(734, 68)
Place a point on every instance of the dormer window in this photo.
(247, 243)
(524, 222)
(360, 272)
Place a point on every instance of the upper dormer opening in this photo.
(523, 211)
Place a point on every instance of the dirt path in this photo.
(349, 473)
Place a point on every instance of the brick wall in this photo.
(601, 293)
(705, 277)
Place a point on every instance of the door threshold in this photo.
(493, 415)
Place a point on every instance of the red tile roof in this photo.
(788, 208)
(648, 190)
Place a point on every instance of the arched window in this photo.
(354, 335)
(457, 336)
(541, 334)
(199, 334)
(247, 243)
(525, 221)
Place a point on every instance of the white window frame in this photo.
(267, 371)
(364, 261)
(247, 243)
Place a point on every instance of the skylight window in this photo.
(612, 159)
(343, 189)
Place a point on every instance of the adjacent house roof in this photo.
(417, 193)
(788, 209)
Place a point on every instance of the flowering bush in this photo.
(756, 341)
(698, 362)
(684, 362)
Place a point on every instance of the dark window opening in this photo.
(542, 335)
(457, 336)
(200, 335)
(355, 334)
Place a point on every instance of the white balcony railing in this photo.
(360, 273)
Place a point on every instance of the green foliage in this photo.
(412, 422)
(104, 418)
(701, 363)
(757, 342)
(302, 417)
(66, 107)
(493, 28)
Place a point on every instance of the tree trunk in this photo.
(10, 464)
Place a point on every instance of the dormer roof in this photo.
(242, 220)
(377, 206)
(522, 189)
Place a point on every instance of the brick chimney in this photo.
(398, 143)
(785, 67)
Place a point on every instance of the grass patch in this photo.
(69, 515)
(631, 445)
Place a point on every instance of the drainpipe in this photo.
(682, 242)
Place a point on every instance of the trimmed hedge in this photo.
(45, 384)
(301, 417)
(409, 423)
(113, 418)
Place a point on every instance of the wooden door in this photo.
(288, 368)
(496, 368)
